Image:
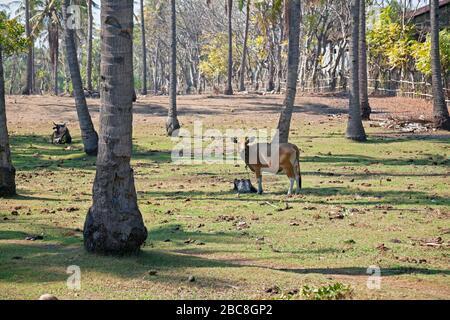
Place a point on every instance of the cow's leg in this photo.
(291, 186)
(291, 175)
(259, 178)
(298, 177)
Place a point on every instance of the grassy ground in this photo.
(391, 195)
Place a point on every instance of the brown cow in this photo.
(273, 158)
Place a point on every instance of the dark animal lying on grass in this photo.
(244, 186)
(61, 134)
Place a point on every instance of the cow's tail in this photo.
(297, 165)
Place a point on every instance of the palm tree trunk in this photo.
(114, 224)
(440, 111)
(53, 39)
(363, 94)
(355, 129)
(156, 75)
(29, 79)
(229, 89)
(7, 171)
(172, 124)
(55, 68)
(293, 15)
(270, 83)
(279, 58)
(144, 52)
(244, 50)
(89, 46)
(88, 133)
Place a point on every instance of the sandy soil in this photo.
(45, 109)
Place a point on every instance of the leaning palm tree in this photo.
(114, 224)
(172, 123)
(363, 94)
(355, 129)
(88, 133)
(292, 18)
(440, 111)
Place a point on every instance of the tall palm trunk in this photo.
(144, 52)
(440, 111)
(355, 129)
(270, 82)
(88, 134)
(114, 223)
(229, 89)
(244, 50)
(172, 124)
(89, 46)
(7, 171)
(363, 78)
(29, 79)
(279, 57)
(53, 39)
(156, 75)
(293, 15)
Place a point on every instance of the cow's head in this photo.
(59, 130)
(243, 142)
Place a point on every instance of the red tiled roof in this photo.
(426, 9)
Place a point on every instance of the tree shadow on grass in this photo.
(151, 155)
(362, 197)
(358, 271)
(44, 262)
(399, 137)
(23, 195)
(359, 160)
(34, 152)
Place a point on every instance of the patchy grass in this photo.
(337, 291)
(380, 203)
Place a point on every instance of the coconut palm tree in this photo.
(11, 40)
(144, 52)
(47, 17)
(7, 171)
(88, 133)
(292, 17)
(114, 224)
(29, 85)
(229, 88)
(363, 94)
(440, 111)
(244, 49)
(355, 129)
(172, 123)
(229, 12)
(89, 4)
